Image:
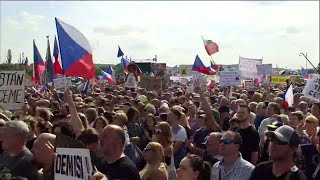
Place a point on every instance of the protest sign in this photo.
(279, 79)
(12, 87)
(61, 83)
(249, 85)
(184, 70)
(159, 69)
(230, 67)
(264, 69)
(73, 164)
(152, 83)
(312, 88)
(248, 67)
(131, 81)
(229, 78)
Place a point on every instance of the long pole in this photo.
(302, 54)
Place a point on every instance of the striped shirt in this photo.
(241, 170)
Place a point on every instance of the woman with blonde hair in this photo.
(155, 168)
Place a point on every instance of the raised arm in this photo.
(75, 120)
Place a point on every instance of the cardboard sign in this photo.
(184, 70)
(159, 69)
(73, 164)
(12, 87)
(279, 79)
(312, 88)
(264, 69)
(61, 83)
(229, 78)
(248, 67)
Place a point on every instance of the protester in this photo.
(192, 167)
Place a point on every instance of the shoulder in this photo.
(246, 164)
(264, 165)
(158, 174)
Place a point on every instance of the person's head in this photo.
(84, 120)
(272, 109)
(295, 119)
(212, 143)
(150, 121)
(256, 97)
(311, 124)
(253, 107)
(112, 140)
(15, 134)
(279, 101)
(192, 167)
(90, 138)
(40, 151)
(315, 109)
(91, 114)
(163, 134)
(240, 102)
(100, 123)
(43, 113)
(283, 145)
(133, 115)
(149, 108)
(224, 101)
(120, 119)
(153, 153)
(303, 106)
(224, 112)
(243, 113)
(289, 110)
(174, 116)
(229, 143)
(261, 109)
(63, 128)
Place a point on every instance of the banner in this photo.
(12, 87)
(264, 69)
(248, 67)
(279, 80)
(61, 83)
(229, 78)
(73, 164)
(159, 69)
(312, 88)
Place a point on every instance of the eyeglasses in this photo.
(227, 141)
(278, 142)
(157, 131)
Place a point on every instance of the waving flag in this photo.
(210, 84)
(26, 62)
(210, 46)
(57, 60)
(199, 67)
(107, 75)
(49, 64)
(38, 64)
(120, 53)
(288, 97)
(214, 65)
(43, 88)
(76, 53)
(86, 87)
(304, 73)
(125, 64)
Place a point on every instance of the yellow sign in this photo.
(279, 79)
(184, 70)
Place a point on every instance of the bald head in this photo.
(44, 138)
(116, 132)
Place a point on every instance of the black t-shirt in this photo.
(263, 171)
(20, 165)
(250, 142)
(122, 169)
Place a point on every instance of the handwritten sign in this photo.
(12, 86)
(312, 88)
(229, 78)
(73, 164)
(61, 83)
(248, 67)
(279, 79)
(131, 81)
(264, 69)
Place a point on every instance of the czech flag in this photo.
(214, 66)
(210, 46)
(199, 67)
(107, 75)
(76, 53)
(26, 62)
(125, 64)
(57, 60)
(288, 97)
(120, 53)
(304, 73)
(210, 84)
(38, 65)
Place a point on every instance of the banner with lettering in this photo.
(248, 67)
(229, 78)
(229, 67)
(312, 88)
(12, 87)
(264, 69)
(279, 80)
(61, 83)
(73, 164)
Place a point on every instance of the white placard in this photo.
(249, 85)
(248, 67)
(12, 86)
(61, 83)
(264, 69)
(229, 78)
(73, 164)
(131, 81)
(312, 88)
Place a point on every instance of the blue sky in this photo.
(276, 31)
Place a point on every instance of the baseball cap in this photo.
(143, 99)
(286, 134)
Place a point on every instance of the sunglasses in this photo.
(227, 142)
(278, 142)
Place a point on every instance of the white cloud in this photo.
(26, 21)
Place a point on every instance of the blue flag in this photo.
(49, 65)
(120, 53)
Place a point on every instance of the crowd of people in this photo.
(132, 134)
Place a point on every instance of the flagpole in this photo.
(305, 56)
